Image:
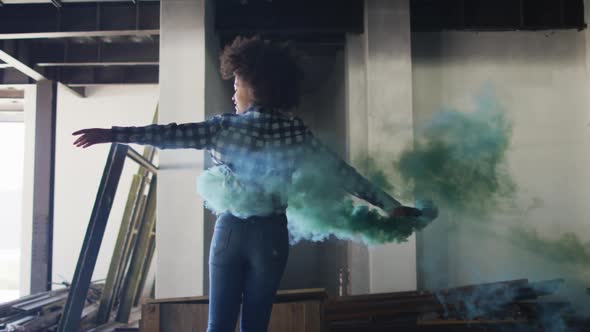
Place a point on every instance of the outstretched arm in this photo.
(198, 135)
(355, 183)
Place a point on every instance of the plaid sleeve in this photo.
(197, 135)
(353, 182)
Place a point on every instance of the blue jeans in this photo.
(246, 262)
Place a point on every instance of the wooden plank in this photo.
(379, 296)
(302, 316)
(183, 317)
(296, 317)
(471, 321)
(336, 310)
(282, 296)
(150, 318)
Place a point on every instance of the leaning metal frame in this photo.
(70, 320)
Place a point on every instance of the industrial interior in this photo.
(482, 106)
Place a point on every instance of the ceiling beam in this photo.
(28, 71)
(97, 64)
(11, 94)
(80, 34)
(105, 75)
(13, 86)
(81, 16)
(20, 66)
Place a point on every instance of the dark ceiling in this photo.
(82, 43)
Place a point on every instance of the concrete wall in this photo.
(542, 81)
(78, 171)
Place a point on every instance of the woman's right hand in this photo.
(405, 211)
(427, 208)
(92, 136)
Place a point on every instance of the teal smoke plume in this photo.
(457, 160)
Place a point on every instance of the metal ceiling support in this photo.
(30, 72)
(96, 64)
(83, 76)
(80, 34)
(85, 85)
(89, 16)
(90, 43)
(12, 94)
(20, 66)
(79, 90)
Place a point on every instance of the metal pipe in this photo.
(138, 158)
(97, 64)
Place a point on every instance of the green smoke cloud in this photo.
(318, 207)
(457, 160)
(566, 248)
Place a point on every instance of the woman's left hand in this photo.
(92, 136)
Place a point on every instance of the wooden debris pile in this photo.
(42, 311)
(503, 306)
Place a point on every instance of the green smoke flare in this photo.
(457, 160)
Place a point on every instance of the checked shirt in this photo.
(256, 143)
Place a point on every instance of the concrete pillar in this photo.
(43, 174)
(380, 120)
(433, 260)
(218, 94)
(587, 35)
(28, 190)
(357, 137)
(179, 231)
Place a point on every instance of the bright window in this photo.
(11, 183)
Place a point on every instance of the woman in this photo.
(261, 140)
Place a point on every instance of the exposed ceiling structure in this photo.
(11, 104)
(84, 42)
(77, 43)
